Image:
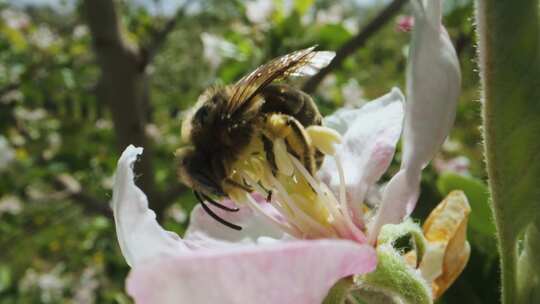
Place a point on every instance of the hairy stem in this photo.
(509, 44)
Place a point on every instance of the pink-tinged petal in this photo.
(368, 146)
(206, 232)
(140, 236)
(298, 272)
(433, 88)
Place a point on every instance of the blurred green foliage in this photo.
(53, 125)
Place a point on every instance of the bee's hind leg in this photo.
(297, 139)
(300, 144)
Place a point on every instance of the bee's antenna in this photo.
(215, 216)
(220, 206)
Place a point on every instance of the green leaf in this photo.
(301, 6)
(480, 219)
(331, 36)
(5, 278)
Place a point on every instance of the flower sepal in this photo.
(395, 280)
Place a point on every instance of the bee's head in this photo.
(195, 171)
(201, 119)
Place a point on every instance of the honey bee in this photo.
(225, 120)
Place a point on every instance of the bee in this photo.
(225, 120)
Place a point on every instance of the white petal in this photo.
(342, 119)
(401, 191)
(433, 88)
(140, 236)
(368, 144)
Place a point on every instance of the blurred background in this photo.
(79, 80)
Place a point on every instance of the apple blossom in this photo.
(315, 229)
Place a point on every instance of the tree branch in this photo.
(124, 84)
(159, 37)
(355, 43)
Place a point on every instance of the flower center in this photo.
(306, 206)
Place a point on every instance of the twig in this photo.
(159, 37)
(89, 203)
(355, 43)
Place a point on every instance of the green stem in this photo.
(509, 61)
(508, 257)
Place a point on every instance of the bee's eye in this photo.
(202, 115)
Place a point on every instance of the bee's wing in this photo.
(304, 62)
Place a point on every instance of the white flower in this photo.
(85, 292)
(352, 93)
(43, 37)
(216, 48)
(259, 11)
(10, 204)
(15, 19)
(7, 153)
(332, 15)
(50, 284)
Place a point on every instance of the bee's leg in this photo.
(293, 132)
(268, 146)
(299, 141)
(319, 158)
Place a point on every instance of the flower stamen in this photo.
(257, 208)
(297, 211)
(343, 199)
